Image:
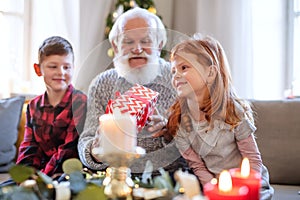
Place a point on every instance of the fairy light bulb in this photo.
(152, 10)
(132, 3)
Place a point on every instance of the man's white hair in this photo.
(117, 29)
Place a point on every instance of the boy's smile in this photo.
(57, 71)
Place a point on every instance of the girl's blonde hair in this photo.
(221, 101)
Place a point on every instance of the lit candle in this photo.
(248, 177)
(118, 133)
(225, 190)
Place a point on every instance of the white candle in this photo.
(189, 182)
(63, 191)
(118, 133)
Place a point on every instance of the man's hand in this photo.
(95, 145)
(156, 122)
(159, 133)
(157, 126)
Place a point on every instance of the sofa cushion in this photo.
(278, 138)
(288, 192)
(10, 113)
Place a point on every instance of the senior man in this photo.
(137, 38)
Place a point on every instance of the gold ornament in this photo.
(110, 52)
(152, 10)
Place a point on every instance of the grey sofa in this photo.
(278, 138)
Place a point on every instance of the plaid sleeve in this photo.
(29, 152)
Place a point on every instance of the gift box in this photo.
(138, 101)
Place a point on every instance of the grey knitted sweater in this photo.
(101, 90)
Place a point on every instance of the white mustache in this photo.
(142, 75)
(131, 55)
(143, 54)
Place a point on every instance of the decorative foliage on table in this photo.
(159, 187)
(17, 176)
(164, 181)
(32, 184)
(83, 183)
(79, 183)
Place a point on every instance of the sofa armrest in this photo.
(21, 128)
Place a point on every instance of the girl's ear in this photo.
(37, 69)
(212, 73)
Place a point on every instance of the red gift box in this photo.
(138, 100)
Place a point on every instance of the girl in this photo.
(212, 127)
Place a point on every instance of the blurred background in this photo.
(261, 39)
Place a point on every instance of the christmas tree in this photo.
(122, 6)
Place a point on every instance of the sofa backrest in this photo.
(278, 138)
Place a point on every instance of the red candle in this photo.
(248, 177)
(225, 190)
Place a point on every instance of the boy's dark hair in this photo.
(55, 45)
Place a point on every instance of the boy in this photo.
(55, 118)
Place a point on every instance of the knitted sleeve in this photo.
(100, 91)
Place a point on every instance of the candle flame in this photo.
(225, 182)
(245, 168)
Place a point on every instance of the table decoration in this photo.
(188, 182)
(149, 193)
(84, 184)
(224, 189)
(248, 177)
(78, 184)
(189, 185)
(118, 148)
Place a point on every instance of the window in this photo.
(269, 49)
(24, 24)
(12, 67)
(294, 45)
(276, 43)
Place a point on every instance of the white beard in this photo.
(141, 75)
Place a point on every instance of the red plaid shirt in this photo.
(51, 133)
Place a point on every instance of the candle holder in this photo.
(118, 183)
